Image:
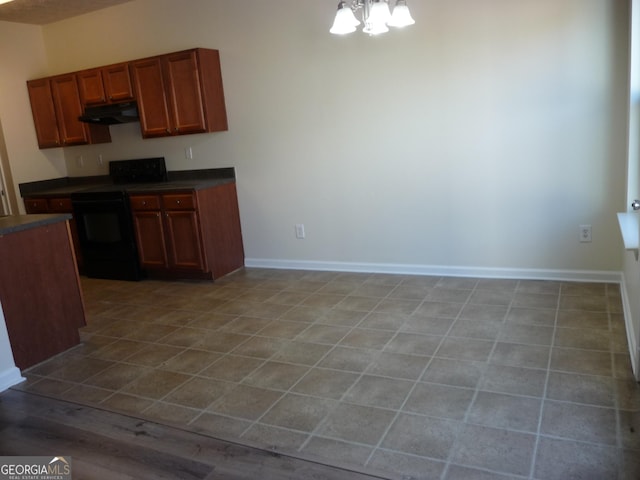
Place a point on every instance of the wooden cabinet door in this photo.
(117, 82)
(150, 237)
(185, 247)
(36, 205)
(66, 99)
(44, 114)
(91, 87)
(184, 92)
(149, 87)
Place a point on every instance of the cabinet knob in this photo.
(178, 202)
(144, 203)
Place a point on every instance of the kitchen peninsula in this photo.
(39, 287)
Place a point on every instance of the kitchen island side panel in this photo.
(40, 292)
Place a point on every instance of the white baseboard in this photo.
(632, 335)
(10, 377)
(440, 270)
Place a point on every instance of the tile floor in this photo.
(411, 376)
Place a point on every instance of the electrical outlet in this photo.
(188, 153)
(80, 161)
(300, 231)
(585, 233)
(100, 161)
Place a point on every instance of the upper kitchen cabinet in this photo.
(180, 93)
(55, 104)
(110, 84)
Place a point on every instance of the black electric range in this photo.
(104, 220)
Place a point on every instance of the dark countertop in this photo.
(18, 223)
(179, 180)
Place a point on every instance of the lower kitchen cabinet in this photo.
(34, 205)
(39, 289)
(188, 234)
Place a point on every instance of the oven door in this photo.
(107, 241)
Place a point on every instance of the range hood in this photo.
(111, 114)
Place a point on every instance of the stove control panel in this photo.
(141, 170)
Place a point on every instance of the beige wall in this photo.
(474, 142)
(22, 56)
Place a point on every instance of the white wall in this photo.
(9, 373)
(631, 267)
(480, 138)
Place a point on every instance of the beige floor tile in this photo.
(412, 466)
(298, 412)
(127, 403)
(398, 365)
(506, 411)
(117, 376)
(588, 389)
(347, 358)
(495, 449)
(346, 422)
(245, 401)
(465, 349)
(341, 452)
(422, 436)
(322, 382)
(275, 438)
(276, 375)
(413, 344)
(155, 384)
(516, 380)
(218, 425)
(531, 316)
(518, 355)
(232, 368)
(458, 373)
(173, 414)
(367, 338)
(587, 460)
(302, 353)
(581, 361)
(579, 422)
(379, 392)
(154, 354)
(326, 334)
(199, 392)
(439, 401)
(190, 361)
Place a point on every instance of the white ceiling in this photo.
(41, 12)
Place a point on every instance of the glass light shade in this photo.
(379, 12)
(345, 21)
(401, 17)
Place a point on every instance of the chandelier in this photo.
(376, 16)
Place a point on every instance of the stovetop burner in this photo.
(142, 170)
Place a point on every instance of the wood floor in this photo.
(105, 445)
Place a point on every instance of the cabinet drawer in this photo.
(60, 205)
(179, 201)
(145, 202)
(36, 205)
